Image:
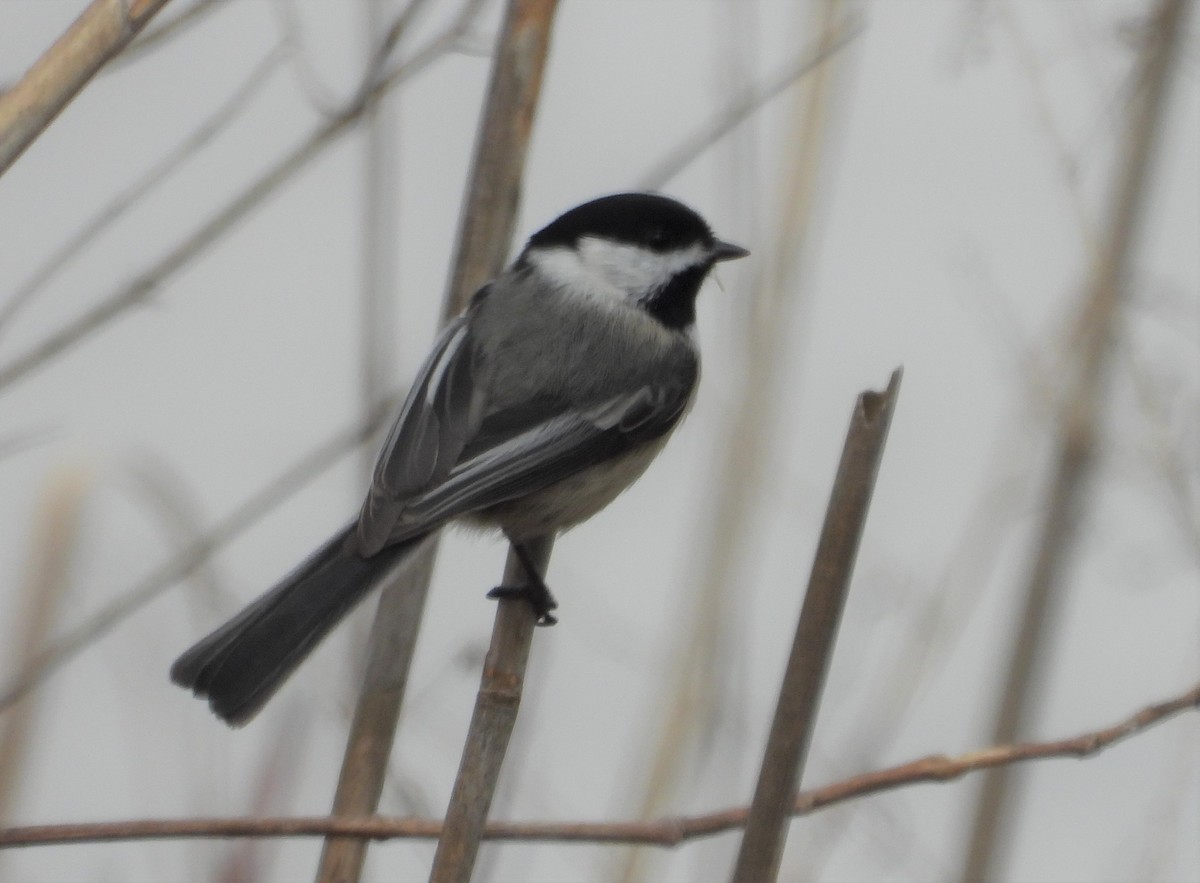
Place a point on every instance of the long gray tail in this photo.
(241, 665)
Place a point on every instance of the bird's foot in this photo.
(533, 591)
(538, 596)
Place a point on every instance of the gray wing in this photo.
(558, 446)
(442, 413)
(449, 453)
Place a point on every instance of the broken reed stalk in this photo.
(1079, 421)
(100, 32)
(492, 722)
(484, 237)
(829, 582)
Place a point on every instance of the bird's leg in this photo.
(533, 590)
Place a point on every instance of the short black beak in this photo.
(726, 251)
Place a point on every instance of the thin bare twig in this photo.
(110, 213)
(812, 650)
(139, 289)
(382, 54)
(392, 639)
(165, 31)
(193, 557)
(1080, 418)
(378, 355)
(103, 30)
(497, 169)
(745, 106)
(667, 832)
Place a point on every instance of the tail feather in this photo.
(240, 665)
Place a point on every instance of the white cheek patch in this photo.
(612, 271)
(565, 269)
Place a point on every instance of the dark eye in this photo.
(657, 238)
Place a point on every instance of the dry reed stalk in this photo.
(100, 32)
(812, 650)
(327, 133)
(492, 723)
(55, 537)
(1079, 419)
(485, 234)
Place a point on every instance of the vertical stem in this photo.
(1078, 424)
(484, 236)
(390, 649)
(393, 636)
(829, 582)
(492, 724)
(51, 555)
(380, 241)
(489, 214)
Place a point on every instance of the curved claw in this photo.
(537, 596)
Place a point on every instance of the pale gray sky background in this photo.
(968, 156)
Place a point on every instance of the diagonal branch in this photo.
(146, 283)
(743, 107)
(190, 559)
(1079, 424)
(812, 649)
(127, 199)
(667, 832)
(102, 31)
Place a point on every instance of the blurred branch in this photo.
(666, 832)
(51, 554)
(812, 649)
(1179, 476)
(137, 291)
(1065, 159)
(1079, 420)
(397, 616)
(377, 66)
(381, 174)
(484, 237)
(192, 558)
(18, 442)
(493, 191)
(692, 692)
(165, 31)
(174, 510)
(112, 212)
(103, 30)
(273, 787)
(745, 106)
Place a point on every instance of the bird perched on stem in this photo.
(548, 396)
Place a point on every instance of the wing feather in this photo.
(452, 451)
(442, 412)
(538, 457)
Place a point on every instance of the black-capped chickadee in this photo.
(538, 405)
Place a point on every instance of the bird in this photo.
(537, 406)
